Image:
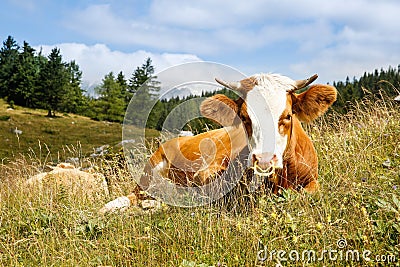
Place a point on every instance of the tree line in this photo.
(379, 83)
(28, 78)
(32, 80)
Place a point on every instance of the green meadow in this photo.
(354, 220)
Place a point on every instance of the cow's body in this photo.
(269, 109)
(195, 160)
(186, 161)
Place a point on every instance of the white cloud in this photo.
(212, 26)
(101, 24)
(98, 60)
(334, 38)
(347, 59)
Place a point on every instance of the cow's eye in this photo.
(288, 117)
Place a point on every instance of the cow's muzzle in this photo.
(265, 164)
(266, 160)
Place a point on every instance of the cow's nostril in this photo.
(265, 160)
(255, 158)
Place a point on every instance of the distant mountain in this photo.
(181, 93)
(196, 89)
(89, 88)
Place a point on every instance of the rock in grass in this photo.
(71, 181)
(131, 201)
(151, 204)
(117, 205)
(387, 163)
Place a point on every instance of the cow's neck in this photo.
(238, 138)
(300, 160)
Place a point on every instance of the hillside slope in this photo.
(67, 135)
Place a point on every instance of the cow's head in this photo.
(267, 109)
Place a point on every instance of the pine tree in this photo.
(123, 83)
(8, 65)
(144, 87)
(73, 100)
(142, 75)
(111, 103)
(53, 79)
(25, 78)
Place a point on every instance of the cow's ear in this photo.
(312, 103)
(220, 109)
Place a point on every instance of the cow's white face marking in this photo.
(266, 102)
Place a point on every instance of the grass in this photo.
(52, 139)
(356, 210)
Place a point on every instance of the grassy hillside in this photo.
(357, 210)
(52, 139)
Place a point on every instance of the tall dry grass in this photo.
(357, 210)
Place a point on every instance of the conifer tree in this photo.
(123, 83)
(73, 100)
(24, 79)
(8, 65)
(53, 79)
(144, 87)
(111, 103)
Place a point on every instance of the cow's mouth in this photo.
(260, 171)
(264, 164)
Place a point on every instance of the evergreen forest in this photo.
(30, 79)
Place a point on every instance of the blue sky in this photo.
(296, 38)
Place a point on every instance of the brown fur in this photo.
(300, 162)
(300, 158)
(220, 109)
(196, 160)
(312, 103)
(216, 109)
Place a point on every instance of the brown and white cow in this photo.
(271, 98)
(267, 118)
(187, 161)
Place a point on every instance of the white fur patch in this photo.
(266, 103)
(160, 167)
